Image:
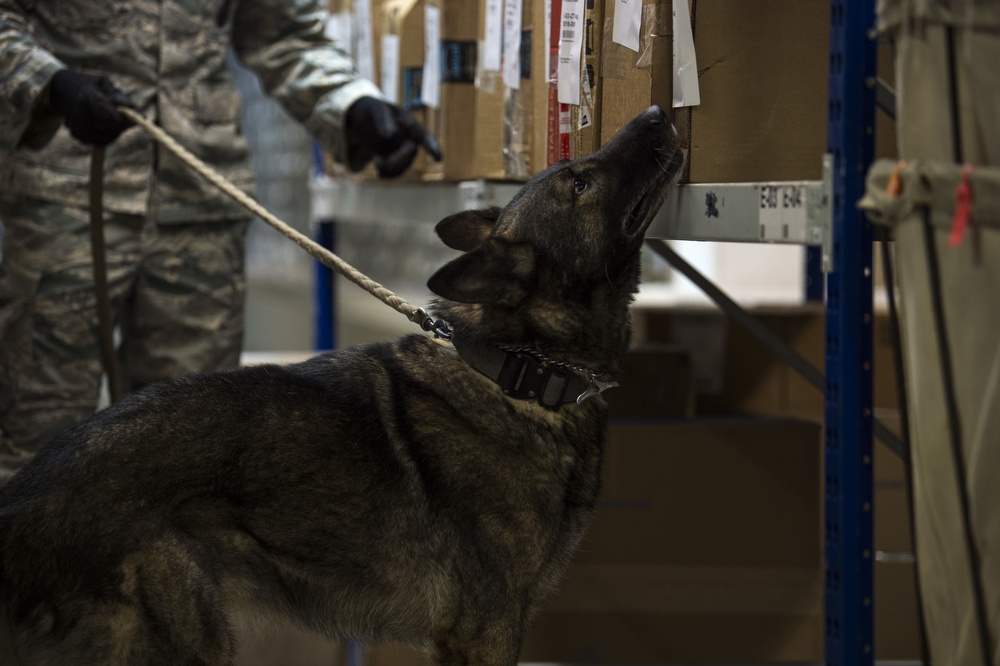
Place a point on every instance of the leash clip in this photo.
(439, 327)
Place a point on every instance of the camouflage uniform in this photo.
(175, 244)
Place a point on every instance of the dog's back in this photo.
(339, 495)
(412, 491)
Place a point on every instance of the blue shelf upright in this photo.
(325, 331)
(848, 548)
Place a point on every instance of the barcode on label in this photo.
(568, 35)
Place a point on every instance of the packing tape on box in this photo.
(613, 54)
(516, 135)
(657, 24)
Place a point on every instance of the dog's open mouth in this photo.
(639, 214)
(645, 209)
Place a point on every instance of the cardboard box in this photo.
(472, 137)
(343, 12)
(741, 376)
(897, 622)
(343, 15)
(705, 529)
(762, 74)
(531, 149)
(518, 122)
(630, 81)
(735, 374)
(656, 382)
(405, 19)
(586, 139)
(763, 80)
(487, 128)
(557, 116)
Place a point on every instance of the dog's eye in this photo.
(579, 186)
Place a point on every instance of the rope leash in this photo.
(102, 297)
(417, 315)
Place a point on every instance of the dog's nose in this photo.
(657, 115)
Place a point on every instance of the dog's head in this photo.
(563, 255)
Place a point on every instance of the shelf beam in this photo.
(794, 212)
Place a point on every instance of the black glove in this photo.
(88, 106)
(391, 133)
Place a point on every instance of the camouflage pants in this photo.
(177, 294)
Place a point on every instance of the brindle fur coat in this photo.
(389, 491)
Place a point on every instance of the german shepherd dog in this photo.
(425, 491)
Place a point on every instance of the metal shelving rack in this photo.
(848, 550)
(825, 218)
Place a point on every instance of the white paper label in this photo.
(783, 212)
(686, 90)
(628, 17)
(334, 31)
(390, 68)
(493, 42)
(512, 43)
(548, 42)
(587, 105)
(570, 51)
(430, 85)
(364, 47)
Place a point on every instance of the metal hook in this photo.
(439, 327)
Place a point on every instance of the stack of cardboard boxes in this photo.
(482, 116)
(731, 375)
(761, 73)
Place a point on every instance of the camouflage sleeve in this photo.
(284, 42)
(25, 69)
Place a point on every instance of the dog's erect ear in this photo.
(466, 230)
(498, 272)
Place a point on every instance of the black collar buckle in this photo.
(525, 377)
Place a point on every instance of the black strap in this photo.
(104, 319)
(521, 375)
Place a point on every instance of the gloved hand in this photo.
(391, 133)
(88, 106)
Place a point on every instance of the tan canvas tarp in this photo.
(924, 192)
(970, 288)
